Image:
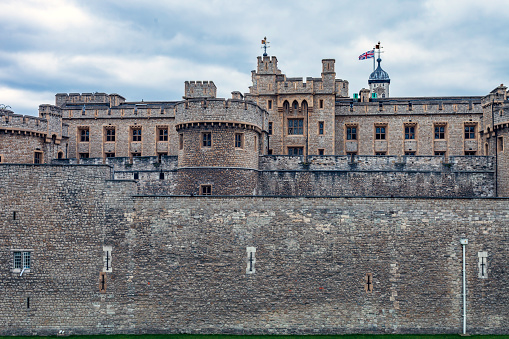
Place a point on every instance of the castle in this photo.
(292, 208)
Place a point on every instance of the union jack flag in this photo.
(367, 55)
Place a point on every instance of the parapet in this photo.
(220, 110)
(267, 65)
(200, 90)
(23, 124)
(113, 99)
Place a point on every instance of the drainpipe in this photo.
(463, 243)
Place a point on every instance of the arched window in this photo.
(60, 155)
(295, 106)
(286, 107)
(304, 107)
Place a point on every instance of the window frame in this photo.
(321, 127)
(110, 134)
(441, 134)
(351, 132)
(380, 132)
(136, 134)
(162, 134)
(239, 140)
(295, 125)
(206, 189)
(206, 140)
(291, 149)
(21, 260)
(84, 133)
(409, 132)
(38, 157)
(469, 134)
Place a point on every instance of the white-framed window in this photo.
(107, 259)
(21, 260)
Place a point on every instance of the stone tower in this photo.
(495, 135)
(379, 82)
(219, 145)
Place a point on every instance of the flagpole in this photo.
(374, 55)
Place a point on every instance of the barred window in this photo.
(295, 126)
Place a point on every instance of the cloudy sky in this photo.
(147, 49)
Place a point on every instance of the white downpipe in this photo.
(464, 242)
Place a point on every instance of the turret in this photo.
(200, 90)
(379, 82)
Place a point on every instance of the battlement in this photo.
(267, 65)
(23, 124)
(125, 110)
(365, 105)
(231, 110)
(200, 90)
(88, 98)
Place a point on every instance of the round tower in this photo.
(219, 145)
(379, 82)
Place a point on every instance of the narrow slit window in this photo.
(368, 282)
(107, 259)
(251, 260)
(102, 282)
(483, 264)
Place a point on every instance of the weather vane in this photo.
(378, 48)
(265, 45)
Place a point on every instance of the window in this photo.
(269, 152)
(136, 134)
(163, 133)
(440, 132)
(161, 175)
(59, 156)
(84, 155)
(250, 269)
(239, 140)
(295, 126)
(206, 190)
(295, 106)
(269, 104)
(181, 141)
(470, 152)
(206, 139)
(110, 134)
(136, 175)
(109, 154)
(409, 132)
(321, 103)
(380, 153)
(368, 282)
(107, 258)
(351, 153)
(135, 154)
(500, 145)
(84, 134)
(469, 132)
(21, 260)
(380, 132)
(102, 282)
(295, 150)
(270, 127)
(38, 157)
(439, 152)
(320, 127)
(351, 133)
(409, 152)
(483, 264)
(321, 151)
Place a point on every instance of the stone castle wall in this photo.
(22, 136)
(182, 264)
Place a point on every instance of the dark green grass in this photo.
(220, 336)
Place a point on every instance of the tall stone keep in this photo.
(219, 145)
